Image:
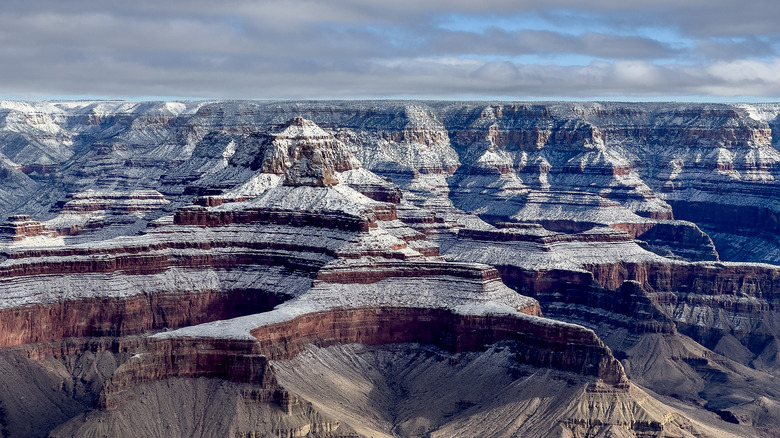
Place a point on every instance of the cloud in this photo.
(495, 41)
(734, 48)
(368, 48)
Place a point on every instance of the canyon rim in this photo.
(389, 268)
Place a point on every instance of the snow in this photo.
(338, 198)
(415, 143)
(572, 206)
(361, 177)
(767, 112)
(36, 242)
(572, 253)
(49, 289)
(440, 292)
(301, 128)
(258, 184)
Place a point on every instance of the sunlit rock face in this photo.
(388, 269)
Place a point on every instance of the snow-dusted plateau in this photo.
(343, 269)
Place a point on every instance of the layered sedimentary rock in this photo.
(234, 248)
(20, 227)
(649, 310)
(403, 391)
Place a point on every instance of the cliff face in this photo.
(226, 240)
(506, 160)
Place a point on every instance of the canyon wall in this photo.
(209, 240)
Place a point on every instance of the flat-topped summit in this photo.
(20, 226)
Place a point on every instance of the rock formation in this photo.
(388, 269)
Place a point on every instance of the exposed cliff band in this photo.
(322, 225)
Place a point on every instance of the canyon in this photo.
(389, 268)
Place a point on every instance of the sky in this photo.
(659, 50)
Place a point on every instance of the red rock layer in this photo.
(536, 341)
(379, 193)
(20, 226)
(642, 295)
(505, 236)
(40, 169)
(373, 271)
(531, 137)
(126, 316)
(215, 201)
(237, 361)
(151, 258)
(117, 202)
(630, 306)
(342, 221)
(541, 343)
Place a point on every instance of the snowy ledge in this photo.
(490, 297)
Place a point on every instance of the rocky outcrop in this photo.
(597, 149)
(325, 223)
(707, 300)
(20, 226)
(534, 341)
(225, 359)
(141, 201)
(114, 316)
(398, 390)
(656, 161)
(539, 343)
(93, 211)
(314, 155)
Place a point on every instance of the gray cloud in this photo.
(496, 41)
(359, 48)
(730, 49)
